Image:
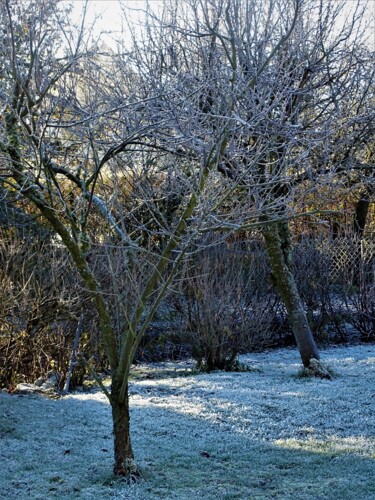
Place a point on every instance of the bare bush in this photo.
(38, 307)
(228, 305)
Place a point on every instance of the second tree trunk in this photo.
(279, 249)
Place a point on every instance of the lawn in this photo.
(260, 434)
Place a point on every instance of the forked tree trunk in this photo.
(124, 458)
(279, 248)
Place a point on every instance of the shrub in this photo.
(228, 305)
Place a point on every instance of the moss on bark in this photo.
(279, 248)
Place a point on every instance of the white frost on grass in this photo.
(259, 434)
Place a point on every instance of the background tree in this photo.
(278, 72)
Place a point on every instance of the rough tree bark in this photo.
(124, 458)
(279, 247)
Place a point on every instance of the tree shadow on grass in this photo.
(198, 458)
(63, 449)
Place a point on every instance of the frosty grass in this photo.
(261, 434)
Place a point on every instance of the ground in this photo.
(262, 434)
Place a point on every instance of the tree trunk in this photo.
(73, 358)
(124, 458)
(360, 215)
(279, 248)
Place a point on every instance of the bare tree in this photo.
(280, 72)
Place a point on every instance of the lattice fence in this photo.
(348, 255)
